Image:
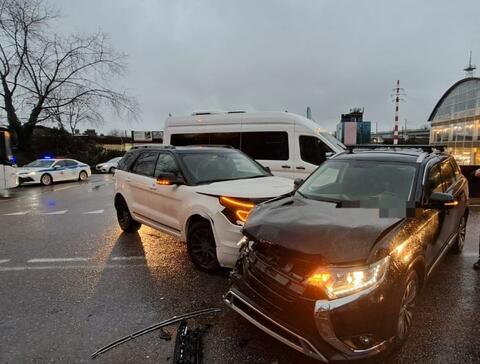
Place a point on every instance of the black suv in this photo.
(334, 269)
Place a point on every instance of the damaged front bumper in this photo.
(320, 329)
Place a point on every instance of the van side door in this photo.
(310, 153)
(273, 149)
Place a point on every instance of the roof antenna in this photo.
(470, 69)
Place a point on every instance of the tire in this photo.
(404, 320)
(125, 219)
(202, 248)
(457, 247)
(112, 170)
(83, 176)
(46, 179)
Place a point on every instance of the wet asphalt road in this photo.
(71, 282)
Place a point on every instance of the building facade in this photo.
(352, 129)
(455, 121)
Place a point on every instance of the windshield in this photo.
(331, 139)
(40, 163)
(215, 166)
(370, 181)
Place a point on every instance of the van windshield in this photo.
(219, 165)
(332, 140)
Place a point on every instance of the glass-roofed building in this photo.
(455, 121)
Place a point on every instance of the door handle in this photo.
(128, 179)
(301, 168)
(153, 188)
(286, 167)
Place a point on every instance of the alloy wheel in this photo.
(202, 248)
(83, 176)
(406, 309)
(46, 180)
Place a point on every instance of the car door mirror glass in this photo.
(442, 200)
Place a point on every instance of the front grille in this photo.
(278, 273)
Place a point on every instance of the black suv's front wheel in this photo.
(405, 313)
(201, 246)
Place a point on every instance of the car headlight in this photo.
(32, 173)
(236, 210)
(339, 282)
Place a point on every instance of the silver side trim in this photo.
(303, 345)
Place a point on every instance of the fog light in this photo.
(361, 342)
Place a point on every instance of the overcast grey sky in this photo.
(283, 55)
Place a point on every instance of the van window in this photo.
(145, 164)
(232, 139)
(312, 150)
(266, 145)
(189, 139)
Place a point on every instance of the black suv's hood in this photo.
(338, 235)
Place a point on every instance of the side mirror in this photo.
(329, 154)
(57, 167)
(267, 169)
(297, 183)
(169, 179)
(441, 200)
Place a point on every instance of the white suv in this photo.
(202, 195)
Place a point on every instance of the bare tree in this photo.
(45, 75)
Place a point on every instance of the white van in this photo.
(290, 145)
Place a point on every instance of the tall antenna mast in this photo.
(397, 95)
(470, 69)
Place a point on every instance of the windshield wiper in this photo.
(226, 179)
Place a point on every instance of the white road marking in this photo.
(4, 261)
(61, 212)
(70, 267)
(63, 188)
(128, 258)
(94, 212)
(55, 260)
(17, 213)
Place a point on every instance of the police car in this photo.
(49, 170)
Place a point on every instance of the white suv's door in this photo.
(166, 200)
(141, 183)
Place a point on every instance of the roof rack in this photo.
(429, 148)
(211, 146)
(160, 146)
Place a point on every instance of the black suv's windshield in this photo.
(215, 166)
(356, 180)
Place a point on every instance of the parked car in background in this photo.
(290, 145)
(108, 167)
(49, 170)
(201, 195)
(335, 269)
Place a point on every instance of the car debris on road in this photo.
(157, 326)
